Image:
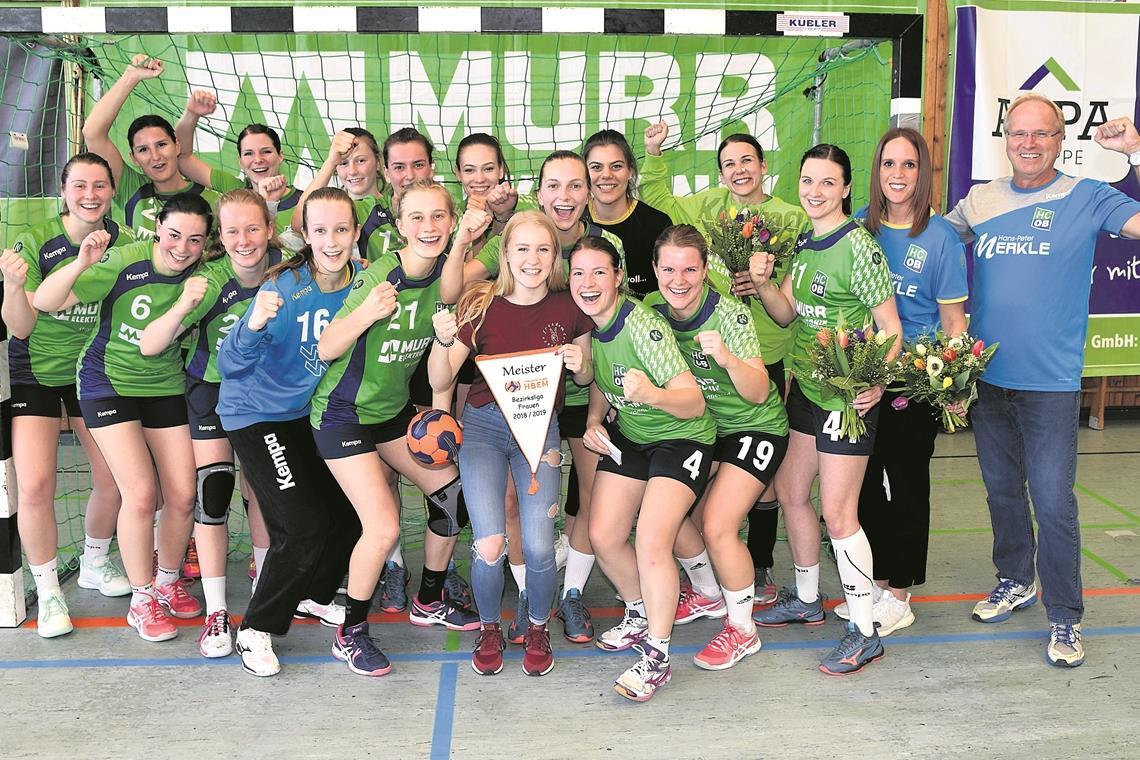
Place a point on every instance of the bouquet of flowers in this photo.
(849, 361)
(944, 372)
(736, 235)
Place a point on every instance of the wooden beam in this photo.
(934, 92)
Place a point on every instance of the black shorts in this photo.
(151, 411)
(572, 421)
(340, 441)
(679, 459)
(43, 401)
(201, 410)
(754, 451)
(823, 425)
(419, 389)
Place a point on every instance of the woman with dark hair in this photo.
(928, 267)
(719, 344)
(742, 168)
(42, 351)
(140, 194)
(135, 405)
(615, 207)
(838, 272)
(269, 368)
(664, 438)
(259, 156)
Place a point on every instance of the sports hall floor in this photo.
(948, 687)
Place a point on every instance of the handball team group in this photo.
(732, 346)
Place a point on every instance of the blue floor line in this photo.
(458, 657)
(444, 711)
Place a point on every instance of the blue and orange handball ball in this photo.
(434, 437)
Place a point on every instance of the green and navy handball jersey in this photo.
(222, 182)
(638, 337)
(843, 272)
(139, 201)
(378, 233)
(369, 383)
(732, 319)
(223, 305)
(48, 356)
(130, 294)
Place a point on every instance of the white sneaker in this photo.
(215, 641)
(103, 574)
(631, 630)
(53, 619)
(892, 613)
(331, 614)
(842, 613)
(561, 551)
(256, 650)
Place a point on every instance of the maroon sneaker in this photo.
(487, 659)
(538, 660)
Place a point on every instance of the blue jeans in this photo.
(488, 450)
(1031, 436)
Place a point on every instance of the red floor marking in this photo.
(390, 618)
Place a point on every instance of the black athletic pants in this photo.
(312, 525)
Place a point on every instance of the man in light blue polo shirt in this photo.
(1034, 235)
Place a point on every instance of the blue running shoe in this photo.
(853, 653)
(516, 631)
(446, 613)
(577, 626)
(789, 609)
(1006, 598)
(456, 589)
(394, 588)
(355, 647)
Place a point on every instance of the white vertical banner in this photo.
(525, 385)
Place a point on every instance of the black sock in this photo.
(762, 521)
(356, 611)
(431, 586)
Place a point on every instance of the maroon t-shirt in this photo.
(507, 327)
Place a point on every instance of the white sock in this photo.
(259, 558)
(853, 555)
(94, 548)
(661, 645)
(215, 591)
(739, 605)
(142, 593)
(165, 577)
(637, 606)
(700, 572)
(397, 556)
(46, 577)
(519, 573)
(578, 567)
(807, 582)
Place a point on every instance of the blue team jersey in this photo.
(926, 270)
(269, 375)
(1033, 255)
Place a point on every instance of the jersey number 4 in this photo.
(693, 464)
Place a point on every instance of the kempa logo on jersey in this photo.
(988, 246)
(397, 350)
(137, 276)
(700, 359)
(915, 259)
(53, 254)
(1042, 218)
(303, 292)
(819, 284)
(277, 454)
(229, 295)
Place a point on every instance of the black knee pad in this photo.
(443, 510)
(572, 493)
(215, 489)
